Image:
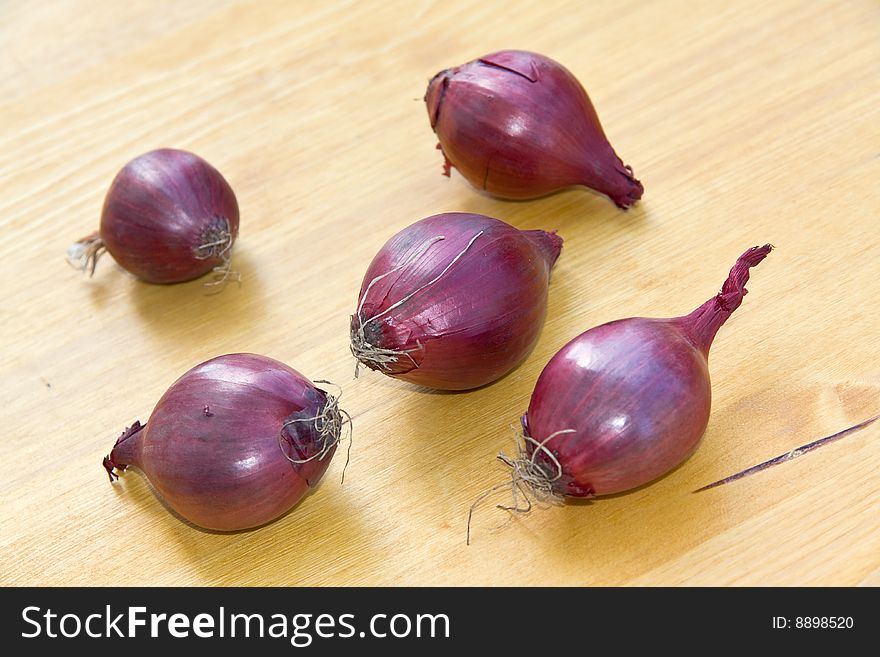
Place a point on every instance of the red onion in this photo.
(519, 125)
(235, 442)
(454, 301)
(626, 401)
(168, 217)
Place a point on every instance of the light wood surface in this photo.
(748, 122)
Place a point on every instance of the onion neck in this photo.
(616, 181)
(703, 323)
(548, 244)
(126, 451)
(628, 189)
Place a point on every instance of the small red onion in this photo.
(168, 217)
(627, 401)
(454, 301)
(235, 442)
(519, 125)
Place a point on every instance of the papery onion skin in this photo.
(519, 125)
(480, 318)
(216, 447)
(635, 391)
(168, 217)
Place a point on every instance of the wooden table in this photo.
(748, 122)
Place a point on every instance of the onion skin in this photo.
(215, 446)
(476, 322)
(168, 217)
(635, 391)
(519, 125)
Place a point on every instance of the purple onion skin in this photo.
(214, 446)
(161, 211)
(519, 125)
(636, 392)
(476, 322)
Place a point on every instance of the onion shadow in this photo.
(287, 543)
(157, 496)
(186, 313)
(573, 206)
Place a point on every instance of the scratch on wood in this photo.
(788, 456)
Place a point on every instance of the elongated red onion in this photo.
(235, 442)
(519, 125)
(168, 217)
(627, 401)
(454, 301)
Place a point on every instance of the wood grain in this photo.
(748, 122)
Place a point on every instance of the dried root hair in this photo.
(328, 424)
(379, 357)
(529, 479)
(217, 242)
